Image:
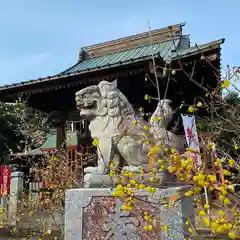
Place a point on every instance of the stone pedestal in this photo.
(16, 190)
(99, 181)
(95, 214)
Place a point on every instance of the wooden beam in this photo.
(159, 73)
(211, 57)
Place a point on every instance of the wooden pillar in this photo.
(57, 120)
(60, 144)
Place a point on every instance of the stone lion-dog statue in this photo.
(111, 118)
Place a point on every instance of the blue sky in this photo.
(42, 38)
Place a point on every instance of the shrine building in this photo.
(130, 60)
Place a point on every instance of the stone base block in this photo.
(97, 181)
(95, 214)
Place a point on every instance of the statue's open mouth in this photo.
(86, 106)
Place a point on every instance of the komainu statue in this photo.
(119, 130)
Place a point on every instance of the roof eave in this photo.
(62, 76)
(199, 49)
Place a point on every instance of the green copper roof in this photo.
(72, 140)
(50, 144)
(163, 50)
(167, 51)
(51, 141)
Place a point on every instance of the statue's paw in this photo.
(87, 177)
(91, 170)
(87, 180)
(96, 170)
(132, 168)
